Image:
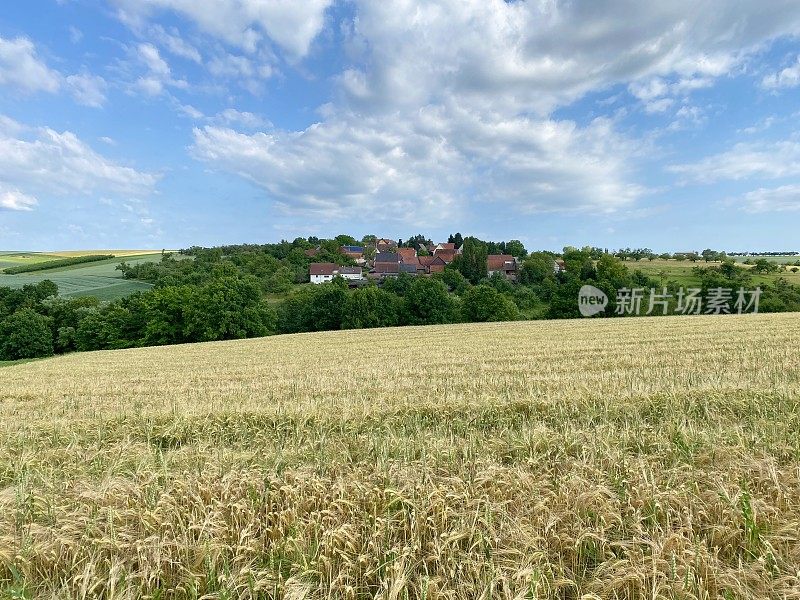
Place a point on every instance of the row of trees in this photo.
(245, 291)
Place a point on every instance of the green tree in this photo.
(516, 249)
(25, 334)
(472, 261)
(428, 302)
(454, 280)
(228, 308)
(484, 303)
(762, 265)
(538, 267)
(371, 307)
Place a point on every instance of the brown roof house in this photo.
(407, 255)
(448, 255)
(324, 272)
(559, 266)
(505, 264)
(385, 263)
(432, 264)
(384, 245)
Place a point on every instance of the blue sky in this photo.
(169, 123)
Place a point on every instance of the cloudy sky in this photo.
(167, 123)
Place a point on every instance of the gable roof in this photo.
(446, 255)
(322, 268)
(350, 270)
(500, 262)
(352, 249)
(386, 267)
(446, 246)
(387, 257)
(407, 254)
(408, 268)
(427, 261)
(384, 243)
(311, 252)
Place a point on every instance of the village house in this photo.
(354, 252)
(325, 272)
(447, 255)
(431, 264)
(407, 255)
(385, 264)
(384, 245)
(504, 264)
(559, 266)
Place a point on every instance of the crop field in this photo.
(627, 458)
(681, 271)
(99, 279)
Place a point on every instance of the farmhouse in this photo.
(354, 252)
(407, 255)
(324, 272)
(384, 245)
(385, 263)
(432, 264)
(504, 264)
(559, 266)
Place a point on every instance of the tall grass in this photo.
(642, 458)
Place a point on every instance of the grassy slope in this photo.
(99, 279)
(635, 458)
(682, 271)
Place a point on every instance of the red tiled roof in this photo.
(500, 262)
(322, 268)
(446, 255)
(311, 252)
(386, 267)
(446, 246)
(407, 254)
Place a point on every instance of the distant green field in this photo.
(681, 271)
(15, 259)
(100, 279)
(778, 259)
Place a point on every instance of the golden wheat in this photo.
(637, 458)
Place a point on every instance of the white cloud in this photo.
(780, 199)
(421, 170)
(13, 199)
(87, 89)
(75, 35)
(290, 24)
(744, 161)
(158, 73)
(174, 43)
(249, 73)
(450, 100)
(786, 78)
(43, 161)
(539, 55)
(22, 69)
(248, 120)
(150, 56)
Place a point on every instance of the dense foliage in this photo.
(234, 292)
(56, 263)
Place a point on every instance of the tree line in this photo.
(233, 292)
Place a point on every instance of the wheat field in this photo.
(627, 458)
